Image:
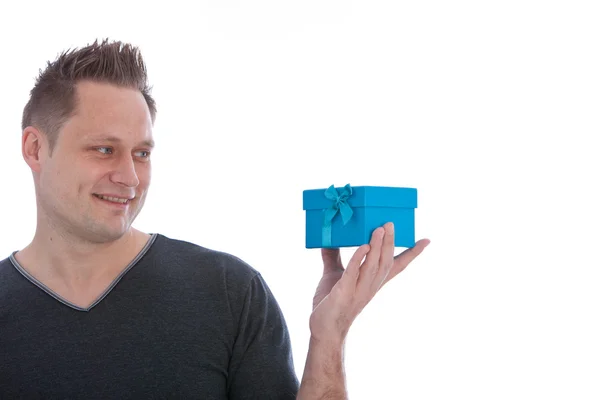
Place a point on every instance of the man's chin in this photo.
(108, 234)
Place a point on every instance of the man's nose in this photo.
(125, 172)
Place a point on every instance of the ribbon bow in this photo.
(340, 204)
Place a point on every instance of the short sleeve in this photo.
(261, 365)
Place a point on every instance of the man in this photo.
(94, 308)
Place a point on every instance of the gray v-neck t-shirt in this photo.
(180, 322)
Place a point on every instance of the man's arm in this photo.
(324, 376)
(261, 364)
(341, 295)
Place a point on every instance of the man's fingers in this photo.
(386, 258)
(353, 268)
(371, 265)
(402, 260)
(408, 255)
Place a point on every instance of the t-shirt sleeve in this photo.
(261, 365)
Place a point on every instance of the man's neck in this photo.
(75, 267)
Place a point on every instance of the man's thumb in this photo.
(331, 259)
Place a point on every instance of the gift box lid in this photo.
(364, 196)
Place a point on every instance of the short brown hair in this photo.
(52, 100)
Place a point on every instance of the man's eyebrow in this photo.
(114, 139)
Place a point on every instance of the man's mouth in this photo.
(118, 200)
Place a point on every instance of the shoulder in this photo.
(6, 273)
(5, 263)
(192, 271)
(187, 256)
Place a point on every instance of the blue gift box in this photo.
(347, 216)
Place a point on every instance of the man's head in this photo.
(87, 137)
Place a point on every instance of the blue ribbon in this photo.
(340, 204)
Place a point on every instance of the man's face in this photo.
(95, 182)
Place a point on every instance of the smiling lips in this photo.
(114, 199)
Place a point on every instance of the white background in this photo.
(490, 109)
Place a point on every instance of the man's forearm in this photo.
(324, 377)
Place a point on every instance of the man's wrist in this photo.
(327, 341)
(324, 376)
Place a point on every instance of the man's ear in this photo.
(34, 147)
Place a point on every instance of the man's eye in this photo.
(104, 150)
(143, 154)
